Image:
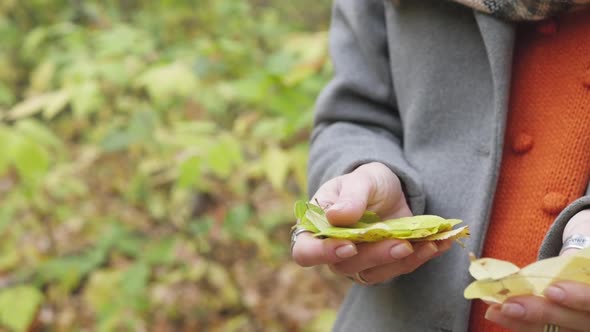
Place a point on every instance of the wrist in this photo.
(578, 224)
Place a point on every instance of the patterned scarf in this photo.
(524, 10)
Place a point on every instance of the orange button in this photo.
(522, 143)
(547, 27)
(554, 202)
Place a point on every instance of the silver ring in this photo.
(550, 328)
(294, 233)
(576, 241)
(359, 278)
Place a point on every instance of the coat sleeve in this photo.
(552, 243)
(356, 119)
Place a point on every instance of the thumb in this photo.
(353, 195)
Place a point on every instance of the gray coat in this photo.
(423, 88)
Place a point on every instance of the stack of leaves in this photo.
(497, 280)
(370, 227)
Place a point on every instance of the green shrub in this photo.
(150, 152)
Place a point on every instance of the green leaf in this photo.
(39, 132)
(237, 218)
(134, 284)
(370, 228)
(223, 156)
(139, 130)
(117, 140)
(122, 40)
(66, 272)
(6, 214)
(18, 306)
(86, 98)
(130, 245)
(142, 125)
(201, 226)
(30, 158)
(102, 288)
(317, 217)
(33, 40)
(7, 96)
(160, 251)
(6, 137)
(300, 209)
(9, 255)
(169, 81)
(189, 172)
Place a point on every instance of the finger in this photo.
(327, 195)
(568, 252)
(354, 190)
(374, 254)
(310, 251)
(540, 311)
(570, 294)
(443, 246)
(495, 315)
(423, 253)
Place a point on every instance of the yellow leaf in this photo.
(42, 76)
(169, 81)
(57, 103)
(454, 234)
(498, 280)
(311, 52)
(29, 106)
(371, 229)
(50, 103)
(490, 268)
(276, 166)
(102, 288)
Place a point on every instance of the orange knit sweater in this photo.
(546, 158)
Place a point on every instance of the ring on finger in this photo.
(295, 231)
(359, 279)
(576, 241)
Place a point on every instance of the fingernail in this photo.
(346, 251)
(488, 315)
(338, 206)
(445, 245)
(401, 250)
(555, 293)
(513, 310)
(491, 308)
(427, 251)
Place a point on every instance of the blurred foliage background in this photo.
(150, 154)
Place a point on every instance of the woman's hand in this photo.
(374, 187)
(566, 304)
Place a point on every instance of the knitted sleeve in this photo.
(356, 119)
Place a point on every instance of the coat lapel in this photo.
(498, 37)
